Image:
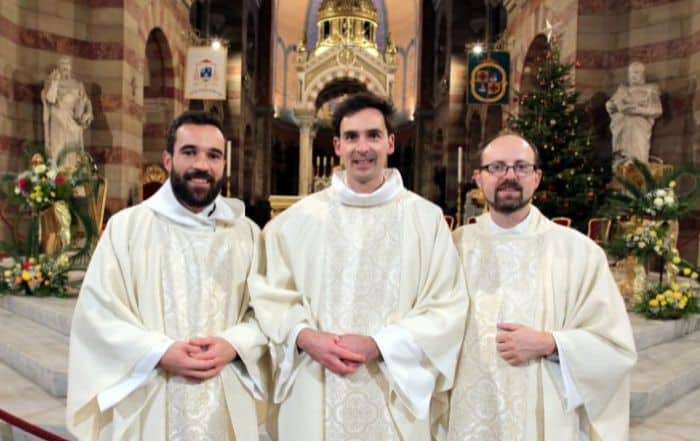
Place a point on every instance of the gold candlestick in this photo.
(228, 186)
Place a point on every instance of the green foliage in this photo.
(655, 199)
(574, 177)
(34, 190)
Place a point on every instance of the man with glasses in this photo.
(548, 346)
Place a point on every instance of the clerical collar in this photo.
(518, 229)
(164, 202)
(392, 186)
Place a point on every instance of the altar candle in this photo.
(228, 158)
(459, 164)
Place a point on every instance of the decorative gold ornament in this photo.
(331, 9)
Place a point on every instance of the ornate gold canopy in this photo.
(343, 22)
(363, 9)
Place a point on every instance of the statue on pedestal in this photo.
(67, 110)
(633, 109)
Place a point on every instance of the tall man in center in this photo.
(362, 297)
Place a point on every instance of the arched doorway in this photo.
(158, 97)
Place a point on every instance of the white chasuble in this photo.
(194, 304)
(550, 278)
(161, 274)
(361, 292)
(494, 395)
(381, 264)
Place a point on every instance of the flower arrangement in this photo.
(667, 301)
(42, 198)
(652, 208)
(39, 276)
(41, 186)
(652, 198)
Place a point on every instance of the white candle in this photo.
(228, 158)
(459, 164)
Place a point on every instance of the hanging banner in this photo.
(205, 75)
(489, 75)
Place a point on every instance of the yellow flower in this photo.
(672, 184)
(694, 276)
(663, 303)
(659, 243)
(659, 297)
(652, 233)
(676, 260)
(26, 275)
(686, 271)
(675, 287)
(8, 273)
(653, 302)
(32, 260)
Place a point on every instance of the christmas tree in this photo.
(573, 175)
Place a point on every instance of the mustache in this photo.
(509, 185)
(198, 174)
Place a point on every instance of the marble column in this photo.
(306, 170)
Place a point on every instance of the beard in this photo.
(509, 204)
(195, 198)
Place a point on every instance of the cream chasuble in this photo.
(381, 265)
(162, 274)
(549, 278)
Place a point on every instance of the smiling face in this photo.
(363, 146)
(196, 165)
(510, 193)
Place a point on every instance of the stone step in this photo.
(24, 399)
(648, 333)
(37, 352)
(664, 373)
(52, 312)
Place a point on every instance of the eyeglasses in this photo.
(499, 168)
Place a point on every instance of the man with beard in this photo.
(163, 344)
(548, 346)
(362, 297)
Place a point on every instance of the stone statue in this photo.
(633, 109)
(67, 110)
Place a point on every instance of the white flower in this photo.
(660, 192)
(669, 200)
(641, 245)
(51, 174)
(658, 202)
(40, 169)
(17, 190)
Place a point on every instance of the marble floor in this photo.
(678, 422)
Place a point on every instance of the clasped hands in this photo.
(198, 358)
(341, 354)
(517, 344)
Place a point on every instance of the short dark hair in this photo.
(360, 101)
(480, 152)
(197, 117)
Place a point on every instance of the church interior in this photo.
(284, 65)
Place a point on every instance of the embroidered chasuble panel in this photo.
(490, 398)
(363, 268)
(197, 285)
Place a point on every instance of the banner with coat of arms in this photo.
(205, 76)
(489, 75)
